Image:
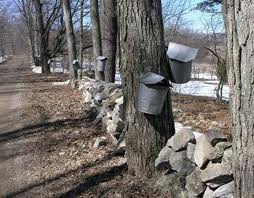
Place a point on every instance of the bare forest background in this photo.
(20, 31)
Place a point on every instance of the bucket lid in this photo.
(181, 52)
(102, 58)
(75, 62)
(50, 60)
(151, 78)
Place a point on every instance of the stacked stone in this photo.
(198, 166)
(107, 100)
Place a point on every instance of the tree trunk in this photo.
(109, 37)
(36, 38)
(143, 50)
(44, 56)
(31, 24)
(239, 22)
(96, 30)
(81, 31)
(72, 52)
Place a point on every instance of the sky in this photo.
(196, 19)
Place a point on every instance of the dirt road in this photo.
(46, 140)
(12, 92)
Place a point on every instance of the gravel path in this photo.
(46, 142)
(12, 91)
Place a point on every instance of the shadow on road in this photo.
(85, 184)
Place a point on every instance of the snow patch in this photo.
(36, 69)
(205, 76)
(118, 79)
(61, 83)
(179, 126)
(201, 88)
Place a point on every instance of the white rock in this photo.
(181, 164)
(182, 138)
(100, 96)
(215, 136)
(227, 160)
(202, 151)
(218, 150)
(208, 193)
(190, 151)
(162, 161)
(104, 120)
(110, 114)
(216, 175)
(111, 128)
(173, 185)
(100, 141)
(170, 142)
(225, 190)
(194, 184)
(119, 101)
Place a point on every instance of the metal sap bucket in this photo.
(152, 93)
(180, 59)
(76, 64)
(101, 63)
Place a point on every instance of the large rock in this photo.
(190, 151)
(111, 129)
(88, 97)
(116, 94)
(86, 84)
(74, 83)
(119, 124)
(119, 109)
(208, 193)
(216, 175)
(109, 88)
(115, 127)
(170, 142)
(104, 121)
(98, 97)
(226, 190)
(98, 86)
(110, 114)
(194, 184)
(100, 141)
(202, 151)
(218, 150)
(215, 136)
(182, 138)
(162, 161)
(227, 160)
(111, 100)
(172, 185)
(121, 145)
(119, 101)
(102, 113)
(181, 164)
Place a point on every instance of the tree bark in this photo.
(44, 56)
(109, 37)
(96, 30)
(143, 50)
(72, 52)
(239, 22)
(31, 26)
(81, 30)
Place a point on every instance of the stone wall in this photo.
(198, 166)
(190, 165)
(107, 101)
